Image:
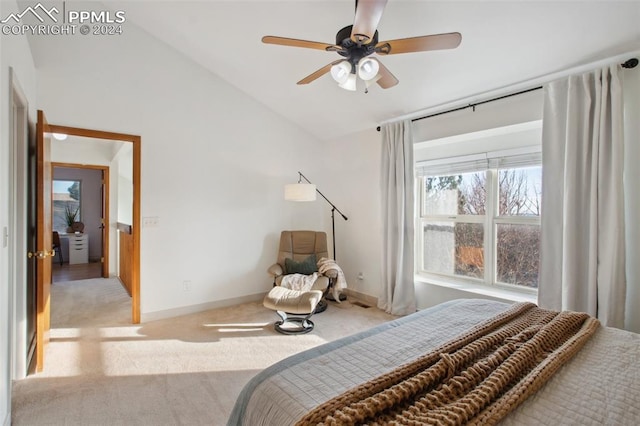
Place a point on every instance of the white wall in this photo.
(123, 167)
(121, 196)
(82, 150)
(14, 53)
(214, 162)
(351, 180)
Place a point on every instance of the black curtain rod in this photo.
(474, 105)
(631, 63)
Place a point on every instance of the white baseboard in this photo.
(365, 298)
(192, 309)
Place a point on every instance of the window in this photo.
(66, 204)
(480, 218)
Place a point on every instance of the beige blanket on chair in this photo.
(299, 282)
(326, 265)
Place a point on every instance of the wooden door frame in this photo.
(136, 141)
(105, 178)
(41, 254)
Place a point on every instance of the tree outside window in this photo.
(66, 204)
(468, 218)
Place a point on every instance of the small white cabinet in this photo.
(78, 248)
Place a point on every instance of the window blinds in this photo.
(521, 157)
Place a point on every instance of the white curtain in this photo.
(583, 231)
(398, 292)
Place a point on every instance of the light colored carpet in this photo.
(101, 370)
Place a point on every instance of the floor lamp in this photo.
(307, 192)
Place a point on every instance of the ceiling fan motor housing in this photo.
(353, 51)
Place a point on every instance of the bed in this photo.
(599, 385)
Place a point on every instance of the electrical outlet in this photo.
(186, 285)
(360, 276)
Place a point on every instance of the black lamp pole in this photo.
(333, 210)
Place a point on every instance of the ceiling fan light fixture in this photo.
(341, 71)
(60, 136)
(368, 68)
(350, 83)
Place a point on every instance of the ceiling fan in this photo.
(356, 43)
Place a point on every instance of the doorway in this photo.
(117, 144)
(81, 195)
(42, 254)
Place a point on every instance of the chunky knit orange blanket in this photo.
(477, 378)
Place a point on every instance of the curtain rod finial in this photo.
(631, 63)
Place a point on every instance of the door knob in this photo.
(41, 254)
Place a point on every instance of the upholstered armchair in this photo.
(298, 253)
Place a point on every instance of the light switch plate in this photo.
(150, 222)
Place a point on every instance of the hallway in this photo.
(81, 271)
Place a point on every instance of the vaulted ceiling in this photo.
(503, 43)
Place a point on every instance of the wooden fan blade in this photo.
(387, 79)
(419, 44)
(368, 14)
(322, 71)
(294, 42)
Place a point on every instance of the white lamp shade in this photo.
(300, 192)
(341, 71)
(368, 68)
